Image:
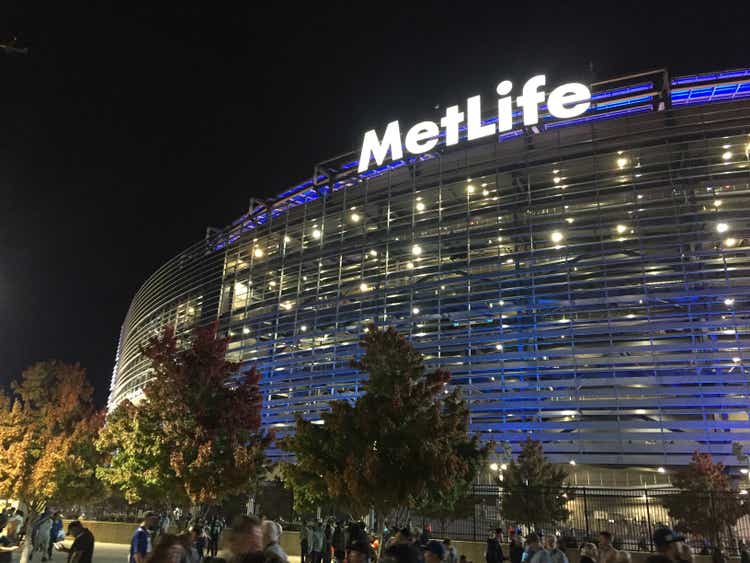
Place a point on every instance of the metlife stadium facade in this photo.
(585, 280)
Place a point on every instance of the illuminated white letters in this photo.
(564, 102)
(475, 129)
(372, 146)
(452, 119)
(422, 137)
(569, 100)
(531, 98)
(504, 107)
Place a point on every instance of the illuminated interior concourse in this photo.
(586, 283)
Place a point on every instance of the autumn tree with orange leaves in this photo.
(199, 421)
(48, 425)
(403, 445)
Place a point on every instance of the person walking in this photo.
(535, 553)
(316, 542)
(553, 545)
(516, 549)
(494, 551)
(272, 550)
(170, 549)
(339, 543)
(55, 533)
(607, 552)
(303, 542)
(82, 550)
(140, 543)
(588, 553)
(40, 533)
(9, 542)
(451, 555)
(668, 546)
(434, 552)
(327, 542)
(246, 540)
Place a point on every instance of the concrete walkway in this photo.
(113, 553)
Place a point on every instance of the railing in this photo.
(630, 515)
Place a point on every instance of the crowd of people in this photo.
(253, 540)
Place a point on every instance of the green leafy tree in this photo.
(706, 502)
(200, 419)
(137, 462)
(47, 428)
(533, 488)
(403, 445)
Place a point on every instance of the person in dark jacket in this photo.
(516, 549)
(339, 543)
(494, 552)
(667, 544)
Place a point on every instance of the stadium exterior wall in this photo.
(587, 283)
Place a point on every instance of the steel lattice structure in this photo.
(586, 282)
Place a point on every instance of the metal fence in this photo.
(630, 515)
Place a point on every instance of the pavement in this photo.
(115, 553)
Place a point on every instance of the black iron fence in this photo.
(630, 515)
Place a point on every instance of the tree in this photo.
(138, 461)
(402, 445)
(706, 502)
(533, 490)
(200, 419)
(47, 429)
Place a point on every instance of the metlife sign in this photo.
(564, 102)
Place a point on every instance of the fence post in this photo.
(648, 522)
(474, 533)
(586, 515)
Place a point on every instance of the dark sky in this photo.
(124, 133)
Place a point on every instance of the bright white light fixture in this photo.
(556, 237)
(470, 189)
(364, 287)
(661, 470)
(736, 360)
(410, 265)
(287, 238)
(730, 241)
(569, 220)
(415, 311)
(494, 467)
(717, 203)
(744, 471)
(303, 328)
(722, 227)
(316, 234)
(572, 462)
(621, 229)
(373, 253)
(485, 193)
(498, 346)
(420, 206)
(503, 467)
(727, 155)
(258, 252)
(729, 301)
(245, 330)
(622, 162)
(743, 491)
(416, 250)
(556, 179)
(355, 217)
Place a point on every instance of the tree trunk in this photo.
(31, 516)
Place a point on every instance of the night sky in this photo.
(125, 133)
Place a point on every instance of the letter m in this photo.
(372, 146)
